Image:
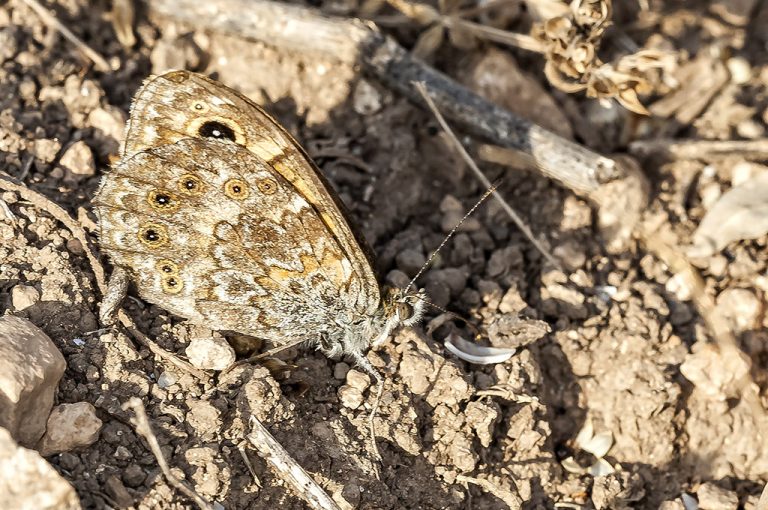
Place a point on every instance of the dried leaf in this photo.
(601, 467)
(741, 213)
(429, 41)
(478, 354)
(599, 444)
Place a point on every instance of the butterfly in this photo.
(216, 214)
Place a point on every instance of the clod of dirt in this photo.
(70, 427)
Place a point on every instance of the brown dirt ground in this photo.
(611, 361)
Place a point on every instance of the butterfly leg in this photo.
(363, 363)
(117, 288)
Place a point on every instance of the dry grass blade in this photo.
(141, 424)
(481, 176)
(50, 20)
(287, 468)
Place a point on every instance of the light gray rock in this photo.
(30, 369)
(70, 426)
(28, 482)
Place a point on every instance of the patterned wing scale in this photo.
(216, 235)
(181, 105)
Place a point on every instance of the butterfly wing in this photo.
(181, 104)
(215, 234)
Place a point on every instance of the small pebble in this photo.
(24, 296)
(740, 69)
(77, 162)
(70, 426)
(166, 379)
(211, 353)
(410, 261)
(350, 397)
(712, 497)
(358, 379)
(750, 129)
(366, 100)
(340, 371)
(134, 476)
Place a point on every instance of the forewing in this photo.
(180, 105)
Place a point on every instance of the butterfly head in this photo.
(401, 308)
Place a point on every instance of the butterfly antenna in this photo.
(450, 234)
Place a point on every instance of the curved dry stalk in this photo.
(50, 20)
(483, 179)
(141, 423)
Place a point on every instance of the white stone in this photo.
(28, 482)
(211, 353)
(24, 296)
(70, 426)
(350, 397)
(77, 162)
(740, 69)
(741, 308)
(30, 369)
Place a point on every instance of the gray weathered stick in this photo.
(287, 468)
(355, 42)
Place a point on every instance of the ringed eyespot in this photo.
(167, 267)
(171, 284)
(216, 129)
(190, 184)
(162, 200)
(236, 189)
(267, 186)
(153, 235)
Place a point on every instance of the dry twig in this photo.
(700, 149)
(481, 176)
(287, 468)
(50, 20)
(141, 424)
(354, 42)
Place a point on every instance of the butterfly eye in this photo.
(190, 184)
(236, 189)
(153, 235)
(404, 311)
(215, 129)
(171, 284)
(162, 200)
(267, 186)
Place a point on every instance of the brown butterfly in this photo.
(217, 215)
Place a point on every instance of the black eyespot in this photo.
(236, 189)
(166, 269)
(213, 129)
(172, 282)
(162, 199)
(190, 184)
(153, 235)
